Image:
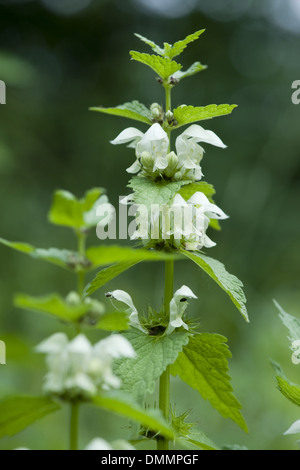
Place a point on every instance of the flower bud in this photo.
(147, 160)
(73, 298)
(172, 160)
(169, 115)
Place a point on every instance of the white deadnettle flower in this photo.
(100, 444)
(79, 369)
(183, 223)
(294, 429)
(126, 299)
(178, 306)
(154, 159)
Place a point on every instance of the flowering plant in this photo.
(174, 211)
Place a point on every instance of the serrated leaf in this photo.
(125, 406)
(228, 282)
(203, 365)
(131, 110)
(290, 390)
(19, 412)
(189, 114)
(163, 66)
(64, 258)
(154, 47)
(123, 257)
(179, 46)
(199, 441)
(154, 354)
(52, 304)
(196, 67)
(106, 275)
(147, 191)
(69, 211)
(110, 254)
(189, 190)
(290, 322)
(113, 321)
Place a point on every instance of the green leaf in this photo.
(69, 211)
(106, 275)
(196, 67)
(124, 257)
(54, 305)
(203, 366)
(170, 50)
(199, 441)
(113, 321)
(189, 114)
(104, 255)
(290, 390)
(179, 46)
(125, 406)
(147, 191)
(19, 412)
(64, 258)
(228, 282)
(290, 322)
(163, 66)
(154, 354)
(189, 190)
(131, 110)
(158, 50)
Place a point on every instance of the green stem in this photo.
(168, 89)
(164, 381)
(81, 250)
(74, 426)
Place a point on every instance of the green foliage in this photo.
(154, 354)
(189, 114)
(163, 66)
(67, 210)
(203, 365)
(147, 191)
(19, 412)
(124, 405)
(86, 312)
(107, 274)
(290, 390)
(290, 322)
(170, 50)
(66, 259)
(196, 67)
(104, 255)
(131, 110)
(228, 282)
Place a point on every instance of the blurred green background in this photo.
(58, 58)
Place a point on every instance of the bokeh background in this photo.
(58, 58)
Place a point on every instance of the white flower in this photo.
(178, 306)
(125, 298)
(101, 444)
(77, 368)
(179, 223)
(294, 429)
(154, 158)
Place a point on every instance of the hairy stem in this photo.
(74, 426)
(81, 250)
(164, 381)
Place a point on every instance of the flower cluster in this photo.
(179, 224)
(79, 370)
(178, 306)
(153, 158)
